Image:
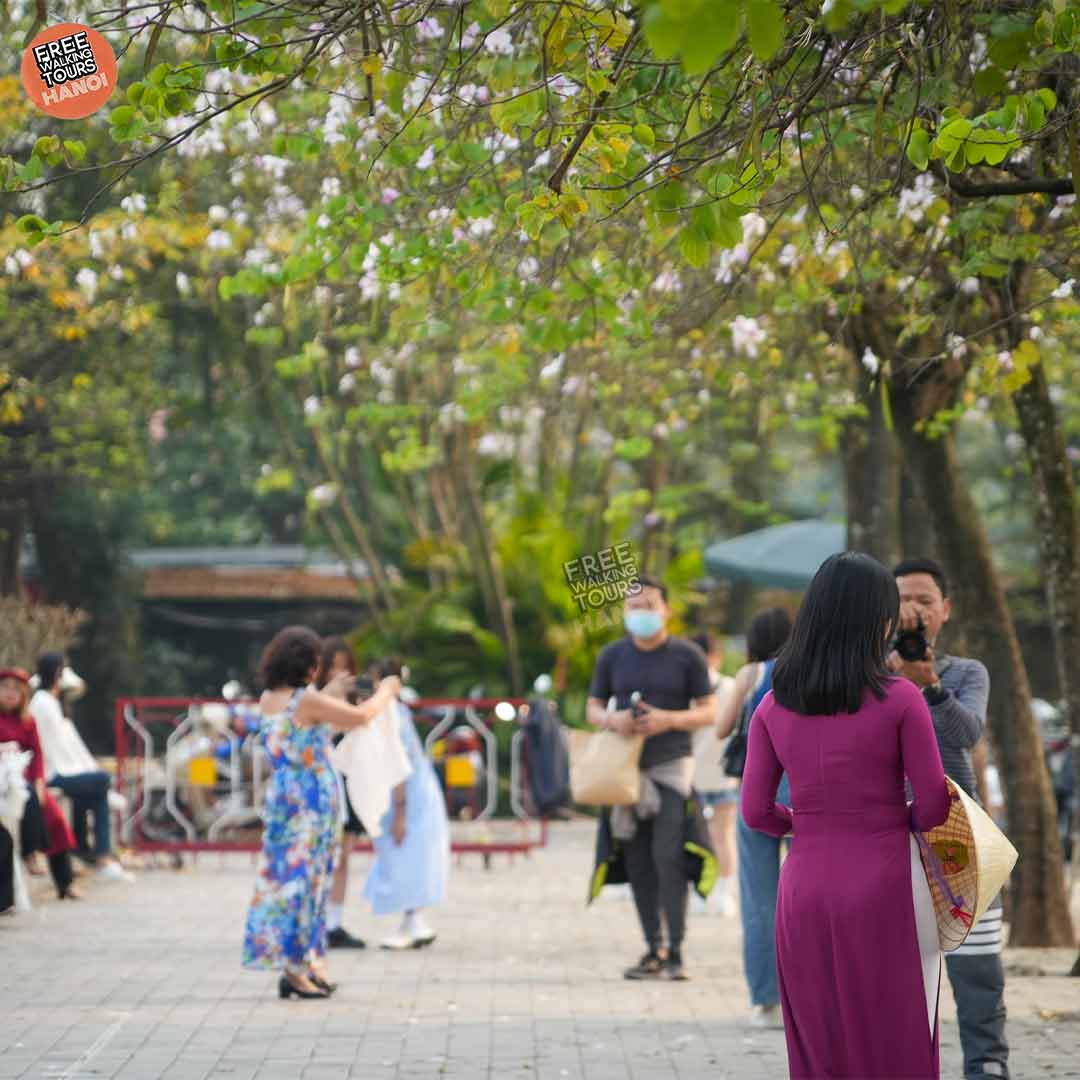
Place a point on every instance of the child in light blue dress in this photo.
(412, 855)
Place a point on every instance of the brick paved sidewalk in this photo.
(143, 981)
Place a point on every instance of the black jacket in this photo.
(699, 860)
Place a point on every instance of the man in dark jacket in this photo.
(676, 697)
(956, 690)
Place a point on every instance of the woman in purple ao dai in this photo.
(856, 939)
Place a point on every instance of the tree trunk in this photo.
(872, 480)
(12, 530)
(1041, 913)
(917, 538)
(1059, 543)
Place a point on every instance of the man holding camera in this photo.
(662, 690)
(956, 690)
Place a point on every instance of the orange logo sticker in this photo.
(69, 71)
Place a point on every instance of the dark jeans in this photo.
(33, 836)
(655, 866)
(759, 881)
(978, 984)
(88, 793)
(7, 870)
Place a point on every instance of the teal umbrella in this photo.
(781, 556)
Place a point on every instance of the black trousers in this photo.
(655, 867)
(978, 983)
(7, 870)
(33, 836)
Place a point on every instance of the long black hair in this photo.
(769, 630)
(841, 638)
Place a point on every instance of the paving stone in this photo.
(524, 983)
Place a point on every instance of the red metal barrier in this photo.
(164, 816)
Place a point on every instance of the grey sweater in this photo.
(959, 720)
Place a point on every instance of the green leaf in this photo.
(663, 33)
(76, 149)
(122, 115)
(990, 81)
(918, 149)
(1047, 97)
(645, 135)
(694, 246)
(765, 22)
(31, 223)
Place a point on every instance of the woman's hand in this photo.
(39, 791)
(390, 686)
(339, 686)
(397, 826)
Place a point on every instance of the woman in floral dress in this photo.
(286, 920)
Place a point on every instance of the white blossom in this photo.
(528, 268)
(381, 373)
(495, 444)
(754, 227)
(134, 204)
(330, 188)
(440, 215)
(1005, 361)
(1061, 204)
(426, 159)
(311, 405)
(788, 256)
(552, 368)
(870, 361)
(87, 281)
(480, 227)
(499, 42)
(914, 201)
(429, 29)
(1064, 290)
(969, 286)
(451, 413)
(347, 383)
(324, 494)
(219, 240)
(957, 346)
(746, 335)
(352, 357)
(667, 281)
(217, 214)
(1035, 333)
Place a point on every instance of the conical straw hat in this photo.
(967, 861)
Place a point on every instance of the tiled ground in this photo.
(143, 981)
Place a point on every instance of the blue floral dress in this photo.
(301, 834)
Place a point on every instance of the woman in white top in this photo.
(71, 768)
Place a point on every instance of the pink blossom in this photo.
(390, 195)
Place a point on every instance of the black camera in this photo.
(361, 690)
(912, 645)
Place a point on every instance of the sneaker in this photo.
(650, 966)
(340, 938)
(674, 970)
(399, 942)
(113, 871)
(766, 1017)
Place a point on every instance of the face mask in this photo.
(643, 624)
